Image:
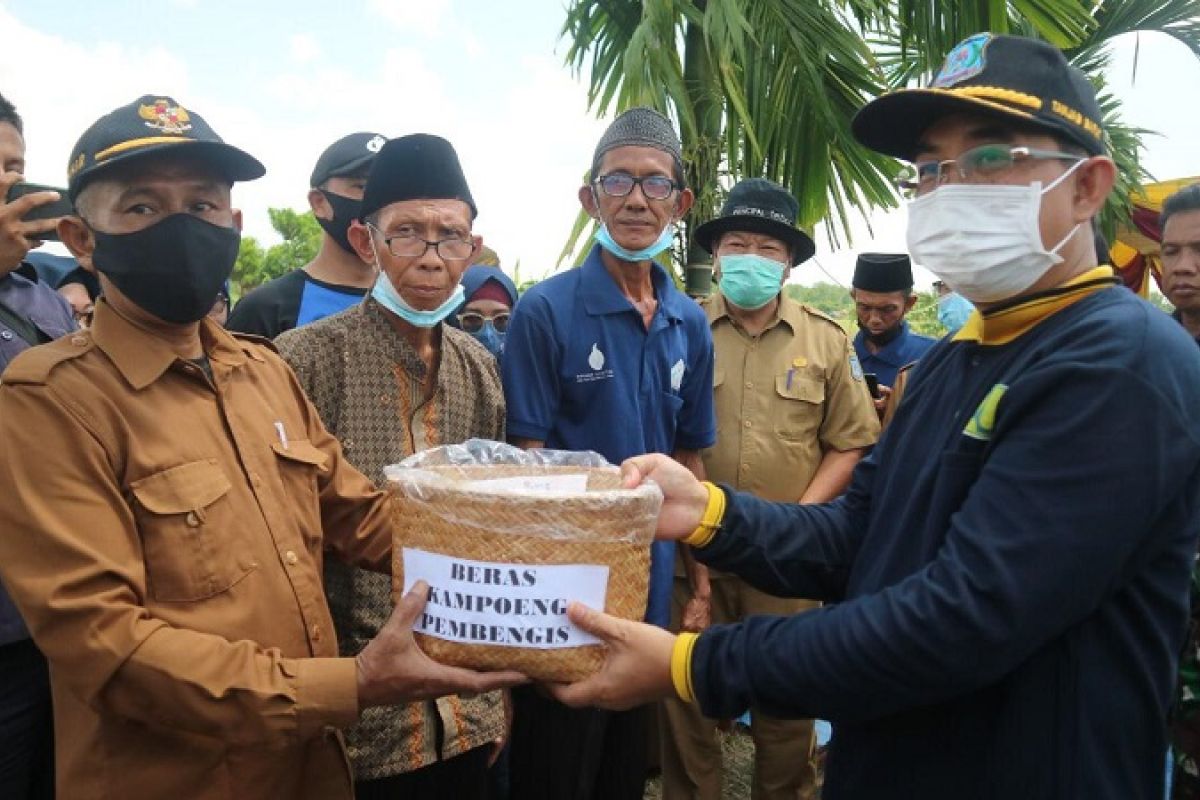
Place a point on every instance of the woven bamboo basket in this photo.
(439, 511)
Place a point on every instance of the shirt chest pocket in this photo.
(188, 532)
(799, 405)
(299, 463)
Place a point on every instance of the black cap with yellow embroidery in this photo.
(1010, 77)
(151, 124)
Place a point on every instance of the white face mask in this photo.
(983, 239)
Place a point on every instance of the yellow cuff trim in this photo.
(714, 512)
(681, 666)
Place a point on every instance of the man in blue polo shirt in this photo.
(610, 357)
(883, 296)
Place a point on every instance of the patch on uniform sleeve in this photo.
(984, 419)
(855, 368)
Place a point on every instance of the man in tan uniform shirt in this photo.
(793, 418)
(169, 497)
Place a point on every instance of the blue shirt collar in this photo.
(894, 352)
(601, 295)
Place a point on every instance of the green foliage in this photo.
(829, 298)
(301, 240)
(758, 89)
(924, 316)
(769, 87)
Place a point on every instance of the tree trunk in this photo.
(702, 151)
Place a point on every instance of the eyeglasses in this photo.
(620, 184)
(407, 245)
(984, 164)
(472, 322)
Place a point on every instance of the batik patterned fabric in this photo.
(376, 395)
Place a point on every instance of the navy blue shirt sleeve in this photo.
(532, 354)
(1032, 552)
(697, 425)
(270, 309)
(793, 550)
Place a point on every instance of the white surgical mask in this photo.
(983, 239)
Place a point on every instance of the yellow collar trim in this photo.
(1006, 324)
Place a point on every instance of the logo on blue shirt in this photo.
(595, 360)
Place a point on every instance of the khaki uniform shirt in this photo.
(783, 398)
(163, 534)
(373, 392)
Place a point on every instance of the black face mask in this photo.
(174, 269)
(886, 337)
(345, 211)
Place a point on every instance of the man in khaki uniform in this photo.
(170, 497)
(793, 419)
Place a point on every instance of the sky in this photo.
(283, 80)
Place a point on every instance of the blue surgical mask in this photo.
(490, 338)
(953, 310)
(749, 280)
(387, 296)
(604, 238)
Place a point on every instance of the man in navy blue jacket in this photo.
(1009, 568)
(31, 313)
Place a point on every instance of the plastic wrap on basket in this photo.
(505, 538)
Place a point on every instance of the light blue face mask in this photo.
(749, 280)
(605, 240)
(387, 296)
(953, 310)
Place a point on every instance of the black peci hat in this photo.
(415, 167)
(346, 156)
(757, 205)
(1009, 77)
(883, 272)
(151, 124)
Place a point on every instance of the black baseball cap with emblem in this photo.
(757, 205)
(347, 156)
(1013, 78)
(152, 124)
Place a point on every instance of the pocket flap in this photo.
(187, 487)
(301, 450)
(800, 387)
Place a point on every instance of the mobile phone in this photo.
(872, 384)
(59, 208)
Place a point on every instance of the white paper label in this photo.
(512, 605)
(533, 484)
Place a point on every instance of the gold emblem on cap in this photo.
(76, 165)
(165, 116)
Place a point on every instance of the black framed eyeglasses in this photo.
(620, 184)
(983, 164)
(407, 245)
(472, 322)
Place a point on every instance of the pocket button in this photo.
(291, 557)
